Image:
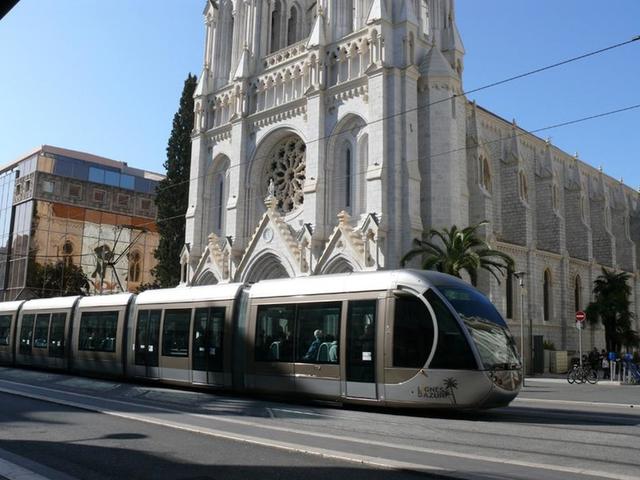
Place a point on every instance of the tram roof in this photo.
(49, 303)
(10, 306)
(353, 282)
(189, 294)
(116, 300)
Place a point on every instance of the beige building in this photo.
(62, 205)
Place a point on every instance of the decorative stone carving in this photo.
(285, 174)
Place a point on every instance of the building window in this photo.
(546, 293)
(509, 294)
(285, 174)
(75, 190)
(219, 201)
(145, 204)
(583, 208)
(99, 196)
(123, 200)
(18, 190)
(292, 28)
(524, 188)
(555, 198)
(627, 226)
(607, 216)
(348, 164)
(577, 293)
(135, 266)
(47, 186)
(484, 174)
(276, 18)
(27, 185)
(67, 253)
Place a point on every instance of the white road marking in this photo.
(577, 402)
(374, 461)
(11, 471)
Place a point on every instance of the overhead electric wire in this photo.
(396, 114)
(520, 133)
(414, 109)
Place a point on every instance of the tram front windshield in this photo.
(487, 328)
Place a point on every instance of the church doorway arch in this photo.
(266, 267)
(338, 265)
(207, 278)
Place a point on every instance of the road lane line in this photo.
(15, 467)
(374, 461)
(577, 402)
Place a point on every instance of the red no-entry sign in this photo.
(580, 316)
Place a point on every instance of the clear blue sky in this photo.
(105, 77)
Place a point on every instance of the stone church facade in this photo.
(329, 134)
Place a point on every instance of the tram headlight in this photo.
(507, 379)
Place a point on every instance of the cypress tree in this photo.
(173, 192)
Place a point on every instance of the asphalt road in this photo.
(553, 431)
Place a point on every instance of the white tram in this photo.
(402, 338)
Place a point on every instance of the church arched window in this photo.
(577, 293)
(555, 197)
(292, 26)
(524, 188)
(348, 170)
(276, 19)
(546, 294)
(219, 192)
(484, 174)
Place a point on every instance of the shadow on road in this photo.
(116, 462)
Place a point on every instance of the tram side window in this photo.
(318, 333)
(412, 333)
(208, 332)
(26, 334)
(98, 331)
(274, 333)
(41, 332)
(56, 335)
(453, 351)
(5, 328)
(175, 333)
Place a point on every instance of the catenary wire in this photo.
(520, 133)
(414, 109)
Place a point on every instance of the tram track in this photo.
(437, 445)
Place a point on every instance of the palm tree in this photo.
(451, 384)
(452, 251)
(611, 306)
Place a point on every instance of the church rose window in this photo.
(286, 169)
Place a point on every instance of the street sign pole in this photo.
(580, 318)
(580, 340)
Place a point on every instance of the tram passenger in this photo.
(312, 353)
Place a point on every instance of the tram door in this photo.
(208, 329)
(361, 349)
(146, 347)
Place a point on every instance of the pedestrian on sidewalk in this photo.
(605, 368)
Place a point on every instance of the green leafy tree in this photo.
(611, 306)
(173, 192)
(453, 251)
(58, 279)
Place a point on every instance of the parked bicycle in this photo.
(582, 374)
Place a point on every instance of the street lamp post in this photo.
(520, 277)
